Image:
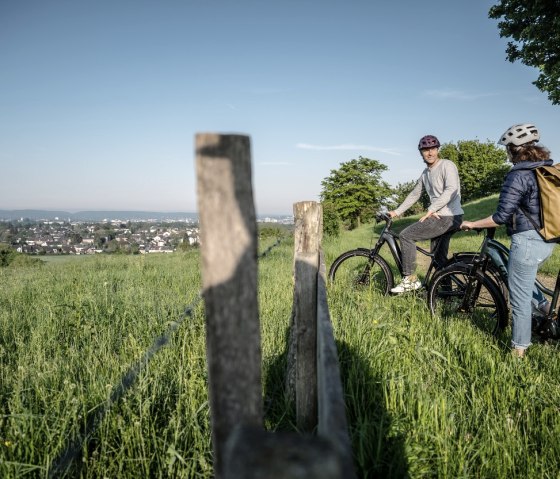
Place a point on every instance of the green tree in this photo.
(112, 246)
(8, 233)
(9, 257)
(331, 220)
(534, 27)
(482, 167)
(401, 191)
(7, 254)
(356, 190)
(75, 238)
(270, 232)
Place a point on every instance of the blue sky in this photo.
(100, 100)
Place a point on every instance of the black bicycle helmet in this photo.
(428, 141)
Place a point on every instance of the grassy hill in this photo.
(425, 398)
(434, 398)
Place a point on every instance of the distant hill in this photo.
(47, 215)
(99, 216)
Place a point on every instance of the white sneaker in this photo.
(408, 283)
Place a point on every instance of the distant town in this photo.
(66, 236)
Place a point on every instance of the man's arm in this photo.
(410, 199)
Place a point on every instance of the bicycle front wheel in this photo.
(456, 292)
(361, 271)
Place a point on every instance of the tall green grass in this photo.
(434, 398)
(425, 398)
(69, 333)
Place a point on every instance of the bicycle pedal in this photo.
(537, 321)
(549, 329)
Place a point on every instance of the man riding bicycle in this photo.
(440, 179)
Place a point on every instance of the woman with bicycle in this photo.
(519, 197)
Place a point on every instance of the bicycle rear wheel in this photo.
(491, 269)
(456, 292)
(361, 271)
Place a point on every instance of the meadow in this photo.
(438, 398)
(425, 397)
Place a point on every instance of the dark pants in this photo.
(430, 229)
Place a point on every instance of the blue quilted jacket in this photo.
(520, 189)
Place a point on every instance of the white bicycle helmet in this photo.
(519, 135)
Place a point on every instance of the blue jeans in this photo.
(527, 252)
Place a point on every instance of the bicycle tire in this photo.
(487, 308)
(491, 270)
(362, 271)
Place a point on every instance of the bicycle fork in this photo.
(363, 278)
(473, 285)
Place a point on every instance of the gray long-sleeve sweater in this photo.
(443, 187)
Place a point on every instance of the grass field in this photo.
(425, 398)
(433, 398)
(72, 332)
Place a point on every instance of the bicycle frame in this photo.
(391, 239)
(497, 253)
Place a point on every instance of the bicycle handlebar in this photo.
(490, 231)
(383, 216)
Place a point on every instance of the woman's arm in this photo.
(483, 223)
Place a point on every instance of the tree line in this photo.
(352, 194)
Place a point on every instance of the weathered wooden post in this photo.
(302, 354)
(332, 422)
(228, 235)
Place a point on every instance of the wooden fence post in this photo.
(256, 454)
(332, 422)
(302, 351)
(228, 239)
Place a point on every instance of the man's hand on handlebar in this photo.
(383, 215)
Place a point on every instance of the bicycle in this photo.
(365, 268)
(468, 289)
